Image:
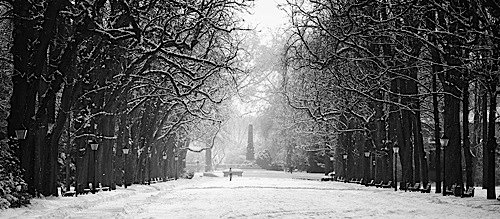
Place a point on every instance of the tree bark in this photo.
(465, 134)
(484, 119)
(492, 144)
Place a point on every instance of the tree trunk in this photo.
(465, 134)
(453, 152)
(492, 144)
(484, 119)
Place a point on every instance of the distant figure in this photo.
(290, 169)
(230, 174)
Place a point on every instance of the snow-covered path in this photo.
(258, 197)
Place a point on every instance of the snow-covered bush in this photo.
(264, 159)
(12, 187)
(188, 175)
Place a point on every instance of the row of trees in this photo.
(365, 75)
(144, 75)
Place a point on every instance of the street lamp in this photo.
(94, 146)
(367, 167)
(331, 160)
(164, 166)
(176, 158)
(149, 168)
(395, 148)
(125, 151)
(21, 134)
(374, 162)
(444, 142)
(344, 156)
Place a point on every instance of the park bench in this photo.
(468, 193)
(85, 191)
(235, 172)
(415, 188)
(341, 179)
(353, 180)
(326, 178)
(69, 193)
(104, 188)
(379, 185)
(360, 181)
(406, 187)
(449, 190)
(371, 183)
(388, 185)
(427, 189)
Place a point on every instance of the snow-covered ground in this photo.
(258, 194)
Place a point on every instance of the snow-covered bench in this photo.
(427, 189)
(69, 193)
(235, 172)
(469, 192)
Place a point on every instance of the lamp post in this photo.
(367, 167)
(331, 173)
(374, 172)
(176, 158)
(164, 167)
(444, 142)
(149, 168)
(21, 134)
(94, 146)
(395, 148)
(344, 156)
(125, 151)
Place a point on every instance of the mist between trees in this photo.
(142, 75)
(362, 76)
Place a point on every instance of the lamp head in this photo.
(125, 150)
(395, 148)
(21, 134)
(94, 145)
(444, 141)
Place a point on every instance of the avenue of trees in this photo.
(145, 75)
(365, 75)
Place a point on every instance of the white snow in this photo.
(258, 194)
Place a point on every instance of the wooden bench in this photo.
(388, 185)
(379, 185)
(86, 191)
(235, 172)
(69, 193)
(104, 188)
(468, 193)
(449, 190)
(427, 189)
(407, 187)
(371, 183)
(415, 188)
(325, 178)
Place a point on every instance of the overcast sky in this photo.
(266, 16)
